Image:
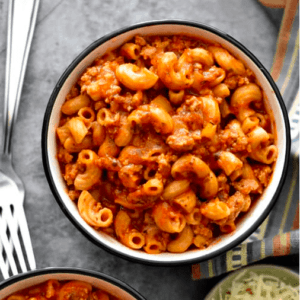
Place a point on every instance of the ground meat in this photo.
(246, 186)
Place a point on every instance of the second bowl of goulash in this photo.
(166, 142)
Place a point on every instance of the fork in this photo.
(16, 253)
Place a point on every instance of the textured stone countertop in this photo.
(64, 28)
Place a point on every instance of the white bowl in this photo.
(258, 211)
(99, 280)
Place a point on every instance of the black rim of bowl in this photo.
(117, 282)
(94, 45)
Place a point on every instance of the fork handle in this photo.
(21, 22)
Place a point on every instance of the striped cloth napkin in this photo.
(278, 235)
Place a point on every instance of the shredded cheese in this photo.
(252, 286)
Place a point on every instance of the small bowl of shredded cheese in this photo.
(258, 282)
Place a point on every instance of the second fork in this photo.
(15, 243)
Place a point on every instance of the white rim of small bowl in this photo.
(112, 41)
(254, 268)
(100, 280)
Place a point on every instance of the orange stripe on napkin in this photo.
(273, 3)
(196, 273)
(284, 36)
(282, 244)
(296, 219)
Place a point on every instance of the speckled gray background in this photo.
(64, 28)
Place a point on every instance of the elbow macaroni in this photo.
(93, 212)
(164, 142)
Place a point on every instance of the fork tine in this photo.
(2, 250)
(26, 237)
(7, 247)
(3, 268)
(13, 228)
(3, 264)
